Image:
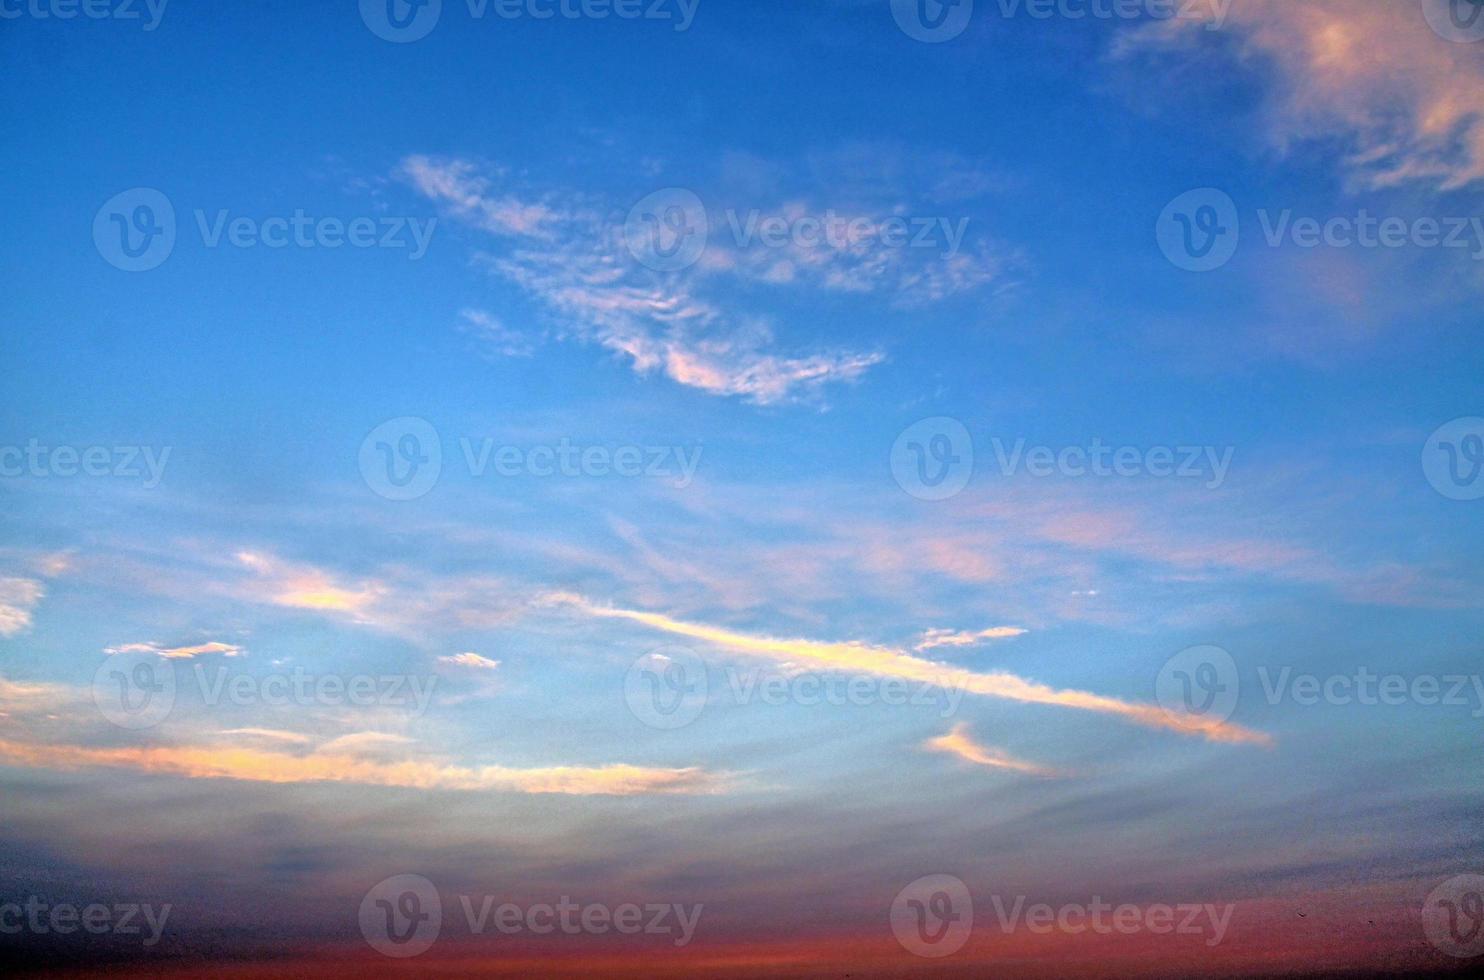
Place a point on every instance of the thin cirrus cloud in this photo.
(1408, 104)
(182, 652)
(18, 600)
(958, 742)
(960, 638)
(347, 762)
(887, 662)
(472, 660)
(569, 254)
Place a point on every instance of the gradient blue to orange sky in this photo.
(742, 488)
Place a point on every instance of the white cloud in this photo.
(18, 599)
(1407, 104)
(473, 660)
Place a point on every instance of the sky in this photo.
(842, 474)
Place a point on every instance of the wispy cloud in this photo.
(182, 652)
(473, 660)
(958, 638)
(346, 764)
(1370, 73)
(887, 662)
(18, 599)
(958, 742)
(571, 256)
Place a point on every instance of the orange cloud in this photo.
(262, 766)
(957, 742)
(886, 662)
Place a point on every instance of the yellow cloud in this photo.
(262, 766)
(957, 742)
(886, 662)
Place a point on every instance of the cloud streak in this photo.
(957, 742)
(887, 662)
(346, 764)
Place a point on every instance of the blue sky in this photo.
(775, 531)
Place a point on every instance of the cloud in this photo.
(18, 599)
(1407, 105)
(305, 587)
(267, 734)
(957, 638)
(572, 258)
(22, 697)
(957, 742)
(340, 766)
(179, 653)
(887, 662)
(471, 660)
(494, 336)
